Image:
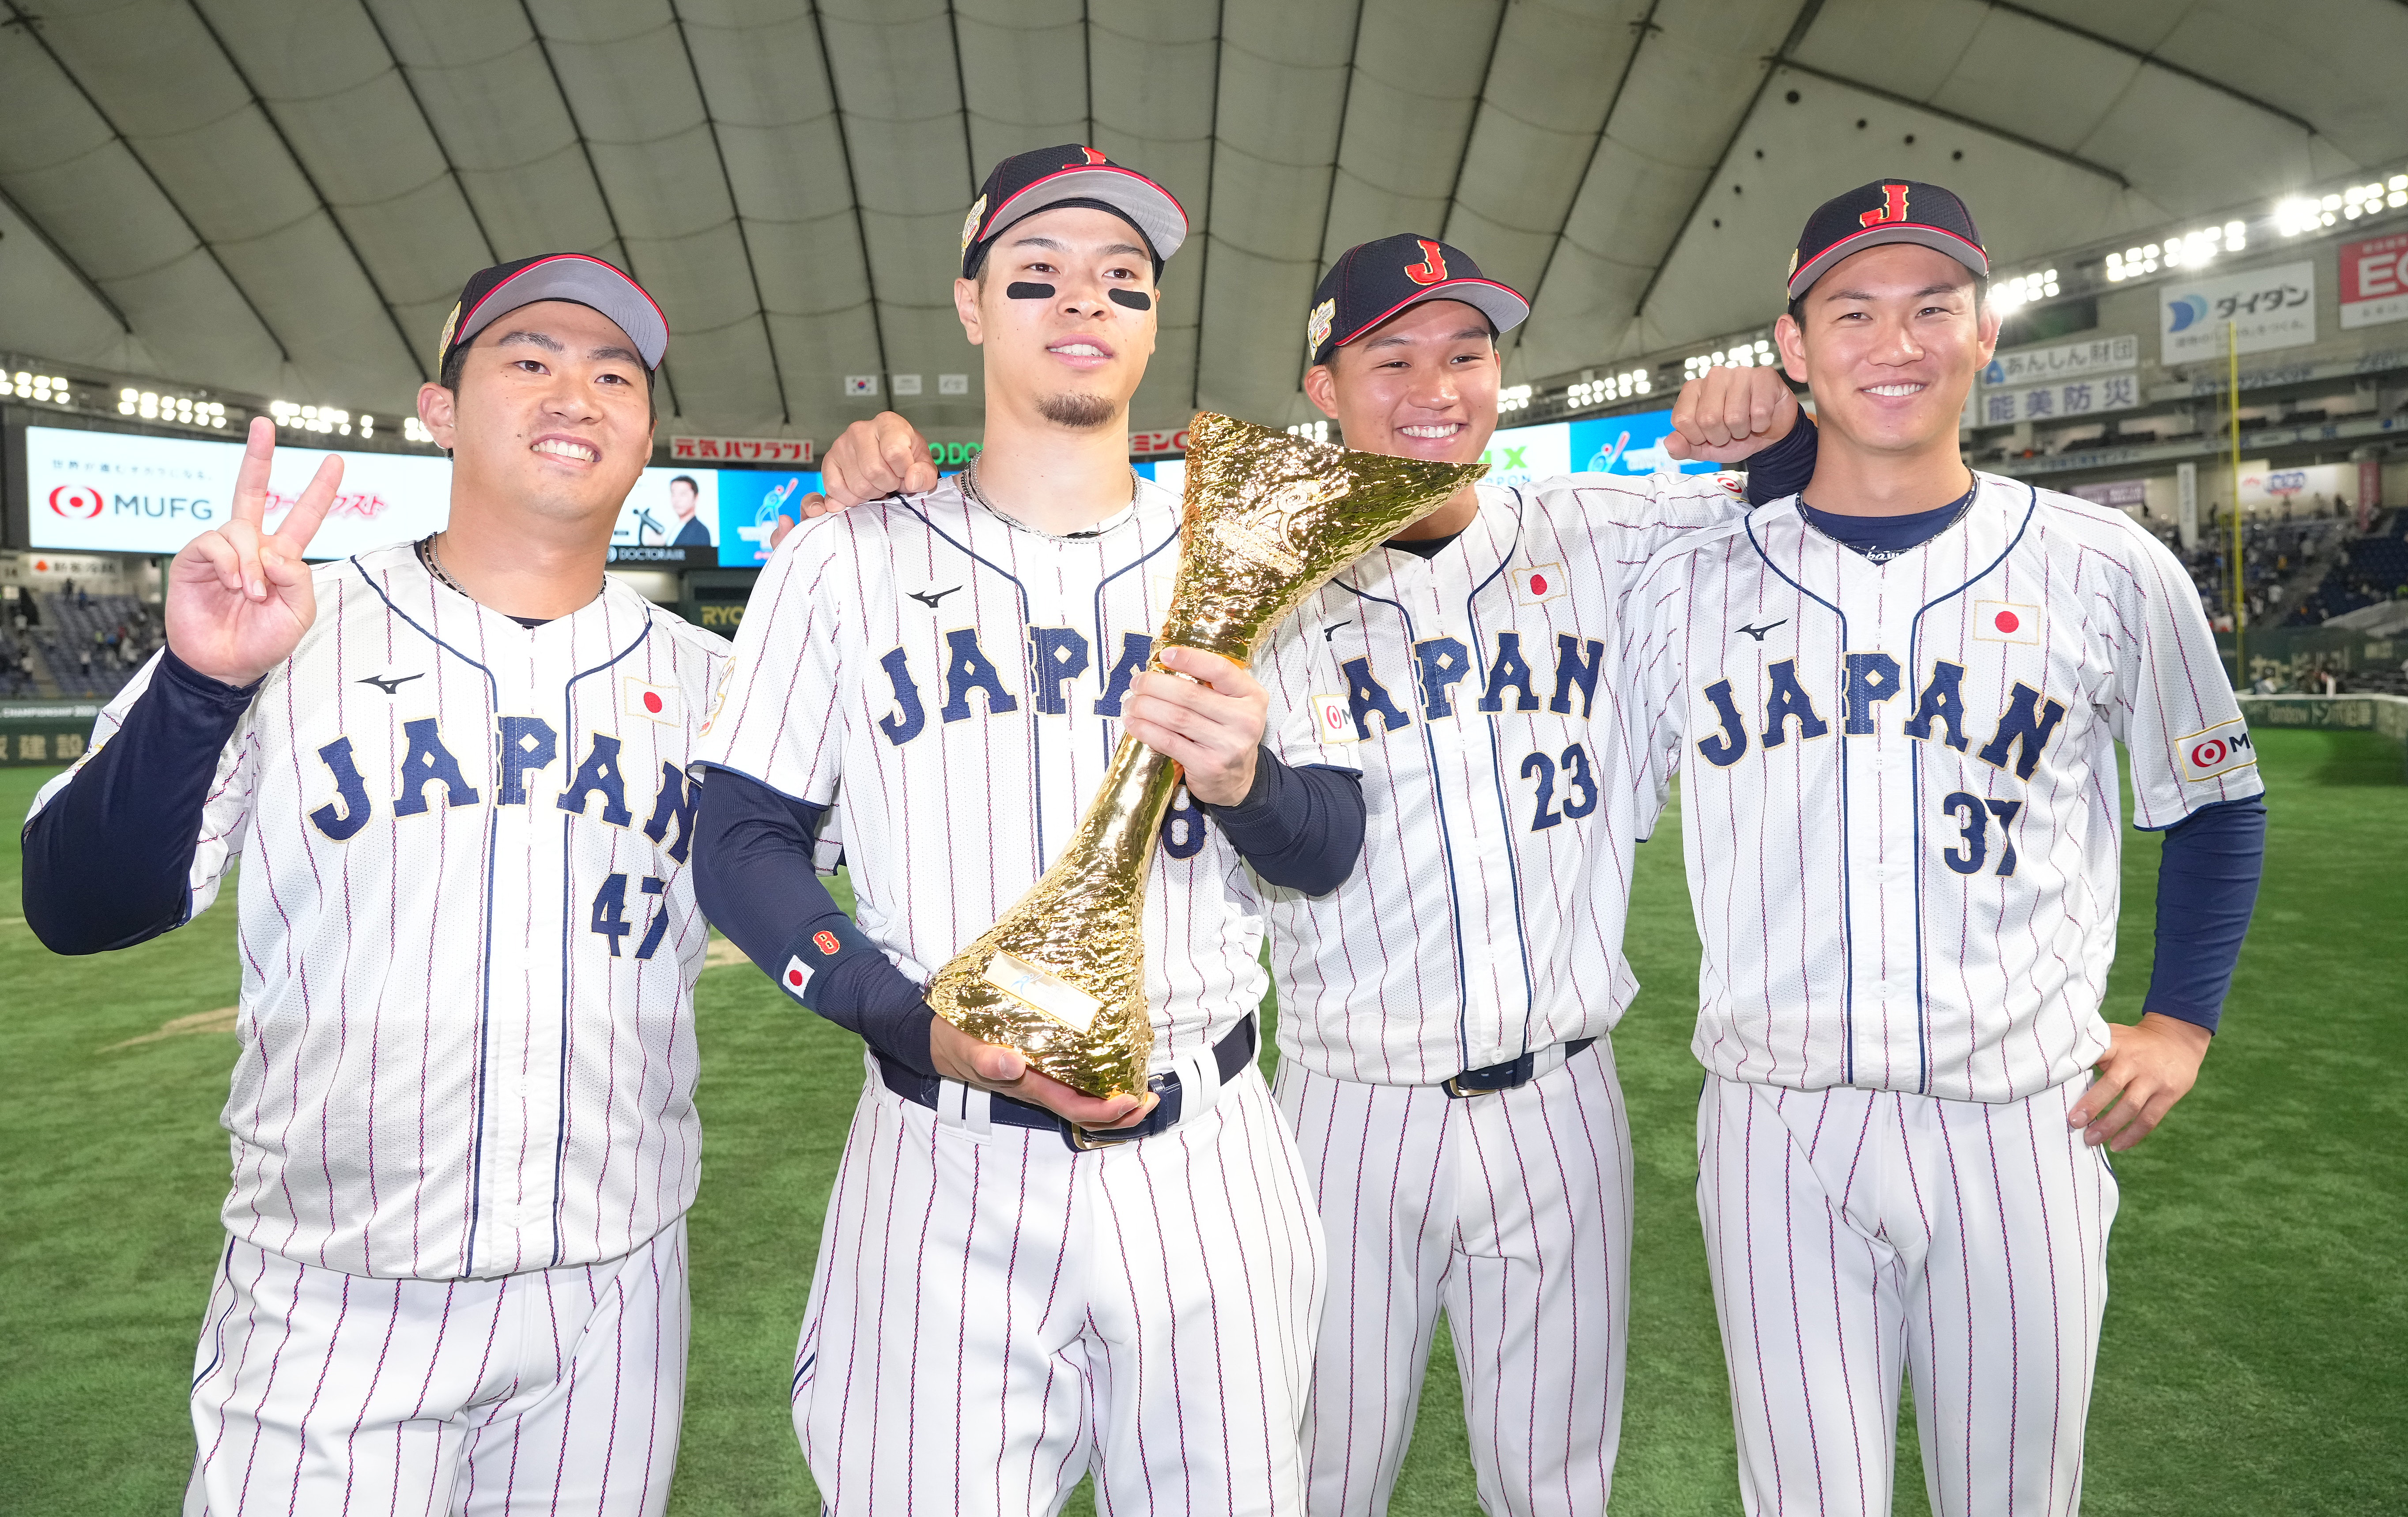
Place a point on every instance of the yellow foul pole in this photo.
(2240, 582)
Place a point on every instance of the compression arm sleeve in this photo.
(108, 861)
(2207, 884)
(1300, 827)
(1783, 468)
(752, 874)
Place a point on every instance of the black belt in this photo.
(1510, 1076)
(1231, 1054)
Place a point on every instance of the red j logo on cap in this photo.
(1892, 208)
(1432, 268)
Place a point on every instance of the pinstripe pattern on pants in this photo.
(1849, 1231)
(992, 1315)
(549, 1392)
(1510, 1210)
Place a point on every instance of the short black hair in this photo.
(687, 481)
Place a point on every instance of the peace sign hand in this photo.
(238, 598)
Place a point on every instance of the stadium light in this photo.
(150, 406)
(2366, 199)
(1513, 397)
(1606, 391)
(2009, 296)
(1738, 355)
(51, 388)
(1310, 430)
(2305, 213)
(319, 418)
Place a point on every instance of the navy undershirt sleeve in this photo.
(108, 861)
(1299, 828)
(2207, 885)
(1783, 468)
(752, 874)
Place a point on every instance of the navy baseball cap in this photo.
(1070, 175)
(492, 293)
(1886, 211)
(1374, 280)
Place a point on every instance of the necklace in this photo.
(426, 557)
(971, 486)
(1882, 555)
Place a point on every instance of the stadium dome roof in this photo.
(283, 197)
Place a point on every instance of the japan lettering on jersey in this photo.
(469, 933)
(1485, 916)
(1899, 798)
(963, 679)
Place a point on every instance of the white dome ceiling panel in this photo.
(323, 177)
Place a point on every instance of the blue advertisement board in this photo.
(751, 503)
(1631, 444)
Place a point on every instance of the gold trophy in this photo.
(1269, 518)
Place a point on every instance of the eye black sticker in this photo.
(1022, 291)
(1134, 300)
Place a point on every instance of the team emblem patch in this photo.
(2220, 749)
(653, 703)
(1333, 720)
(1432, 268)
(2006, 621)
(971, 222)
(798, 975)
(1538, 584)
(443, 343)
(1316, 330)
(1892, 208)
(826, 942)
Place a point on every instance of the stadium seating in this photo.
(116, 631)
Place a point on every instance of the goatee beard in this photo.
(1084, 413)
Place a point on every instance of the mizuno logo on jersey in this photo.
(391, 684)
(1757, 633)
(930, 597)
(2220, 749)
(1867, 683)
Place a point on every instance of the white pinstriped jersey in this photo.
(1485, 916)
(1900, 802)
(468, 934)
(963, 679)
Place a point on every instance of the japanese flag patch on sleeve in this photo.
(2219, 750)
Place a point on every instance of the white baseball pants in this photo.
(1848, 1229)
(555, 1390)
(1512, 1211)
(992, 1315)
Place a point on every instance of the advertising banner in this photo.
(2309, 489)
(740, 450)
(2374, 281)
(2265, 309)
(117, 493)
(2054, 402)
(2062, 361)
(751, 505)
(1631, 444)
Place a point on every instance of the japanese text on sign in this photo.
(741, 450)
(2074, 398)
(2064, 361)
(2260, 308)
(2374, 280)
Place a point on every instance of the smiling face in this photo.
(1890, 339)
(1421, 385)
(1072, 358)
(552, 414)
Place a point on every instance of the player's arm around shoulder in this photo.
(1725, 416)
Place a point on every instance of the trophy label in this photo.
(1051, 995)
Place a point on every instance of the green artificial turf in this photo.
(2254, 1342)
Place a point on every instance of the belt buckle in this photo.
(1457, 1090)
(1092, 1139)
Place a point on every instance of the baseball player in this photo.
(1018, 1283)
(463, 1124)
(1893, 701)
(1442, 1015)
